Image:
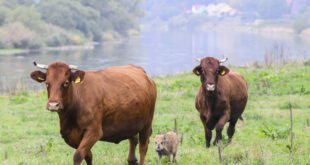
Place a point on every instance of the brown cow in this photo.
(221, 98)
(111, 105)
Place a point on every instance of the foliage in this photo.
(28, 16)
(275, 133)
(3, 14)
(59, 39)
(16, 35)
(67, 22)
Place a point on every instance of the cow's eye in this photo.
(66, 84)
(161, 143)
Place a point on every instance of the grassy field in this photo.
(29, 134)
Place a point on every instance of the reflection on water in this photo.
(158, 53)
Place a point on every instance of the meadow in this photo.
(29, 134)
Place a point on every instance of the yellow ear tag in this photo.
(223, 73)
(77, 80)
(39, 78)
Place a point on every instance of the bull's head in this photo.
(209, 70)
(59, 78)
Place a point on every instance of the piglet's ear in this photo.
(197, 70)
(78, 76)
(223, 70)
(38, 76)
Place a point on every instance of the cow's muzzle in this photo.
(210, 86)
(54, 106)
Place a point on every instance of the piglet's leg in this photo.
(159, 158)
(169, 157)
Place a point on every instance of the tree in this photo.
(26, 15)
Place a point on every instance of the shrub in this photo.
(60, 39)
(274, 133)
(16, 35)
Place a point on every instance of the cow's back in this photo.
(127, 96)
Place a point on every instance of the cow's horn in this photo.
(42, 66)
(198, 59)
(73, 67)
(223, 60)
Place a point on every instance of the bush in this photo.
(275, 133)
(60, 39)
(16, 35)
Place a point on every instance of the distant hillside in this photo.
(31, 24)
(189, 14)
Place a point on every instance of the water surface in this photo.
(158, 53)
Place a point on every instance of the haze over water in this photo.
(161, 53)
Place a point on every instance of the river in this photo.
(158, 53)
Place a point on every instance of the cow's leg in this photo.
(174, 160)
(231, 129)
(219, 127)
(132, 160)
(89, 139)
(89, 158)
(143, 143)
(208, 132)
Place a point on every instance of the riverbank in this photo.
(30, 135)
(89, 45)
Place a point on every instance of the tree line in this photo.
(33, 24)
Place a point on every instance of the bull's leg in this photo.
(231, 129)
(132, 160)
(88, 140)
(208, 132)
(89, 158)
(219, 127)
(143, 143)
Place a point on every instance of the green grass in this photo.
(12, 51)
(29, 134)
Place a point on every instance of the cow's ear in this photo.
(197, 70)
(78, 76)
(38, 76)
(223, 70)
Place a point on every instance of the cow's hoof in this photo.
(208, 145)
(133, 162)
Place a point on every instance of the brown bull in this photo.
(221, 98)
(111, 105)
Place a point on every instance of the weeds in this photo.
(274, 133)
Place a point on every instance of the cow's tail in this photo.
(242, 119)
